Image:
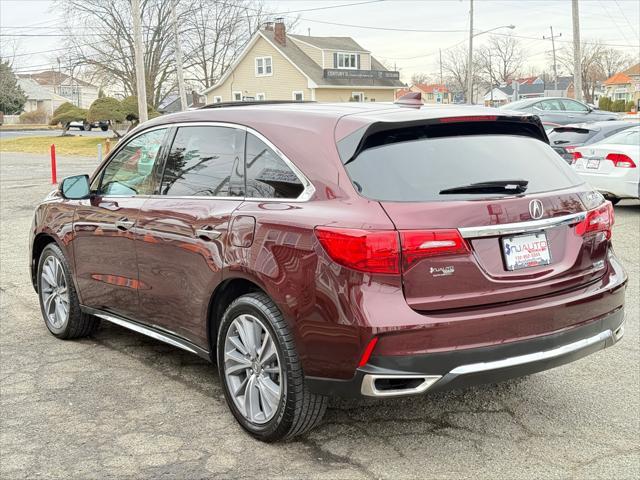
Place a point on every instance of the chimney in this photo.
(279, 33)
(268, 26)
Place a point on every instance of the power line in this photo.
(627, 19)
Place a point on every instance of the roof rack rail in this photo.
(253, 102)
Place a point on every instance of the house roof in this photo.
(33, 90)
(331, 43)
(51, 77)
(634, 70)
(618, 79)
(431, 87)
(526, 89)
(315, 72)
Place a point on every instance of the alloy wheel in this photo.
(252, 369)
(54, 292)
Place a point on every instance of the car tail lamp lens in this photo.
(419, 244)
(621, 160)
(379, 251)
(600, 219)
(576, 156)
(373, 251)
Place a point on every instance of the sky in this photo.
(444, 23)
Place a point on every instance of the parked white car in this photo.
(612, 166)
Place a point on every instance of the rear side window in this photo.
(204, 161)
(417, 170)
(268, 176)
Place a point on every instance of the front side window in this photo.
(573, 106)
(263, 66)
(204, 161)
(267, 175)
(347, 60)
(130, 172)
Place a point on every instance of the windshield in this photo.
(631, 136)
(418, 170)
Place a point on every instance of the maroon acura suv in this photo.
(357, 249)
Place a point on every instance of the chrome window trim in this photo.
(307, 192)
(533, 357)
(521, 227)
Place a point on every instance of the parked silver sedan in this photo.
(560, 110)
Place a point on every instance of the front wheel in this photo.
(58, 298)
(261, 373)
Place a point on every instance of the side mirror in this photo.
(76, 187)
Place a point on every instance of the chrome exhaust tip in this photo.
(396, 385)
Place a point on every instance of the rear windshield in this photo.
(626, 137)
(418, 170)
(566, 136)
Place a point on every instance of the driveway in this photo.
(120, 405)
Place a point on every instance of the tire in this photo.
(104, 128)
(613, 200)
(81, 128)
(87, 127)
(74, 323)
(296, 410)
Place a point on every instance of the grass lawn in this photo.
(86, 146)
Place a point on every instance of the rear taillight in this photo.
(621, 160)
(600, 219)
(576, 156)
(373, 251)
(379, 251)
(418, 244)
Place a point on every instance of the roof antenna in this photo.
(411, 99)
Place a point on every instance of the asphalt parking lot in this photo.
(119, 405)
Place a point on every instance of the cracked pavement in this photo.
(120, 405)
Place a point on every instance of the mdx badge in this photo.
(535, 209)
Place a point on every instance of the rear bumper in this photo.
(386, 376)
(623, 184)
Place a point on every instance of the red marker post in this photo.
(54, 169)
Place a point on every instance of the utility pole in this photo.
(441, 83)
(491, 79)
(138, 50)
(553, 46)
(470, 59)
(577, 55)
(180, 74)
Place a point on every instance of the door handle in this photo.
(208, 233)
(124, 224)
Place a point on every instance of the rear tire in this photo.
(58, 297)
(614, 200)
(282, 407)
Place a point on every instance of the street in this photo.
(121, 405)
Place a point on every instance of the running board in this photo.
(155, 333)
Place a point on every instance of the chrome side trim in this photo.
(369, 389)
(165, 337)
(533, 357)
(521, 227)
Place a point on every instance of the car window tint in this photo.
(417, 170)
(130, 172)
(549, 105)
(573, 106)
(204, 161)
(267, 175)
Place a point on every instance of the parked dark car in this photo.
(565, 139)
(353, 249)
(559, 110)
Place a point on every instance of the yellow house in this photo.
(280, 66)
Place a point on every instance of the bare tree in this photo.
(214, 35)
(101, 39)
(592, 73)
(501, 59)
(454, 67)
(420, 77)
(612, 61)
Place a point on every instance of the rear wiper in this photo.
(494, 186)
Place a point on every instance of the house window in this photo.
(297, 96)
(357, 97)
(347, 60)
(217, 99)
(263, 67)
(261, 96)
(237, 96)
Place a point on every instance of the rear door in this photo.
(183, 231)
(104, 225)
(514, 245)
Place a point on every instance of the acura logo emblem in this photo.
(535, 209)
